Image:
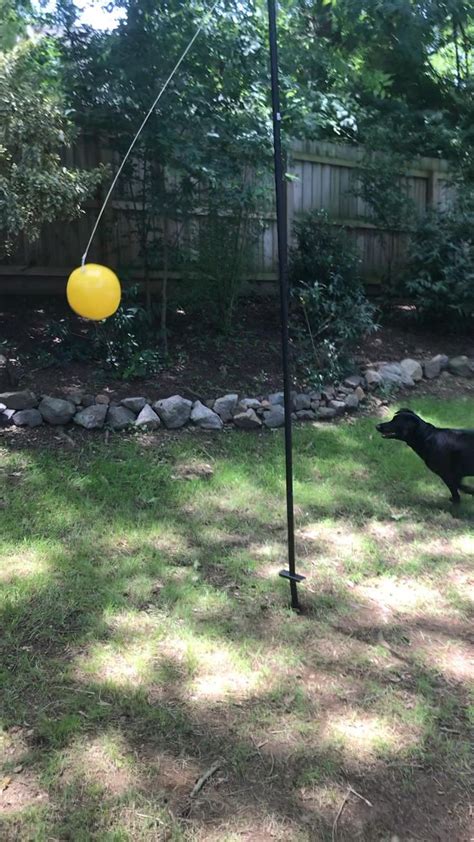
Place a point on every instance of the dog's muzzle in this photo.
(387, 434)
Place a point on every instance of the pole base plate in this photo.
(293, 577)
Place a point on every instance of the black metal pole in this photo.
(290, 574)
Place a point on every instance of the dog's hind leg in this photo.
(468, 489)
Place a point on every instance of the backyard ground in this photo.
(146, 639)
(201, 363)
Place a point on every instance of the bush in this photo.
(330, 310)
(123, 343)
(35, 185)
(221, 260)
(441, 263)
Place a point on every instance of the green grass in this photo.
(145, 632)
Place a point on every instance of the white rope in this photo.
(148, 115)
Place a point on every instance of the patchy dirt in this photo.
(404, 338)
(201, 364)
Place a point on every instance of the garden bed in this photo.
(202, 365)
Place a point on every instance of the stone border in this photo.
(25, 409)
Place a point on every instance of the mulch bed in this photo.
(204, 365)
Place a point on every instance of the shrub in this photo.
(441, 262)
(123, 343)
(330, 310)
(35, 186)
(222, 253)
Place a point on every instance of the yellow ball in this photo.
(93, 291)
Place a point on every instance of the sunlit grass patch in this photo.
(361, 736)
(102, 761)
(404, 596)
(117, 666)
(22, 563)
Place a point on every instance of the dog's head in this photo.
(403, 425)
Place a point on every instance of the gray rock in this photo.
(27, 418)
(352, 401)
(315, 404)
(326, 413)
(56, 410)
(92, 417)
(432, 368)
(205, 418)
(174, 412)
(6, 417)
(247, 420)
(443, 360)
(2, 407)
(344, 390)
(353, 381)
(315, 396)
(277, 399)
(338, 406)
(250, 403)
(88, 400)
(74, 395)
(19, 400)
(391, 373)
(459, 366)
(305, 415)
(225, 406)
(275, 417)
(328, 393)
(301, 401)
(412, 369)
(148, 418)
(119, 417)
(359, 392)
(373, 379)
(133, 404)
(103, 399)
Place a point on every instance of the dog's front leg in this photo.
(453, 486)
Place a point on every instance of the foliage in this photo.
(330, 309)
(382, 186)
(221, 258)
(440, 274)
(381, 183)
(211, 126)
(35, 186)
(14, 17)
(392, 74)
(123, 343)
(354, 66)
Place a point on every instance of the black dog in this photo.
(448, 453)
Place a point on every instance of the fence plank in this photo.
(324, 178)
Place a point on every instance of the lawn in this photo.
(146, 635)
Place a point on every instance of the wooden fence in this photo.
(324, 176)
